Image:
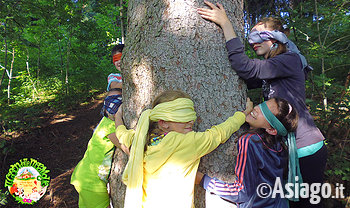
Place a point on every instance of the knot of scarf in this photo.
(178, 110)
(261, 36)
(294, 175)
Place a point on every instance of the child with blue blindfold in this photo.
(282, 74)
(262, 157)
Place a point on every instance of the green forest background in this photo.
(55, 55)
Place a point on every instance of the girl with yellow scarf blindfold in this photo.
(165, 152)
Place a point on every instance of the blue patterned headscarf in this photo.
(261, 36)
(111, 104)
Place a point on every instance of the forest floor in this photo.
(59, 143)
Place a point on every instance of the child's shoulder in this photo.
(116, 74)
(114, 77)
(252, 137)
(104, 122)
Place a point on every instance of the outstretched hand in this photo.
(125, 149)
(248, 107)
(113, 138)
(217, 14)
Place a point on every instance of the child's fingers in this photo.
(220, 6)
(249, 104)
(125, 149)
(207, 17)
(204, 11)
(206, 14)
(210, 5)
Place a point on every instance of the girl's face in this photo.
(262, 49)
(257, 120)
(180, 127)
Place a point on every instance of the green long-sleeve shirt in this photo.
(85, 174)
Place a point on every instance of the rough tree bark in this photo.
(169, 46)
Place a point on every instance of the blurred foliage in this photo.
(3, 197)
(334, 122)
(61, 55)
(321, 31)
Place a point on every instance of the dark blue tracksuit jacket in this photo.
(256, 163)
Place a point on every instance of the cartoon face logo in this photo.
(27, 181)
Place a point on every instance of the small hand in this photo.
(115, 141)
(199, 177)
(125, 149)
(248, 107)
(216, 14)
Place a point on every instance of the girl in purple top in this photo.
(282, 73)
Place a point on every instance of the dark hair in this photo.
(274, 23)
(166, 96)
(289, 121)
(117, 48)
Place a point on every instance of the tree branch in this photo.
(336, 67)
(318, 25)
(337, 40)
(329, 27)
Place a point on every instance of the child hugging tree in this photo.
(165, 151)
(262, 158)
(90, 176)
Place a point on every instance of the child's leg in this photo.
(312, 170)
(89, 199)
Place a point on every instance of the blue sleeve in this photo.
(283, 65)
(247, 165)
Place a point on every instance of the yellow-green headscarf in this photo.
(179, 110)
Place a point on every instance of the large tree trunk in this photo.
(169, 46)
